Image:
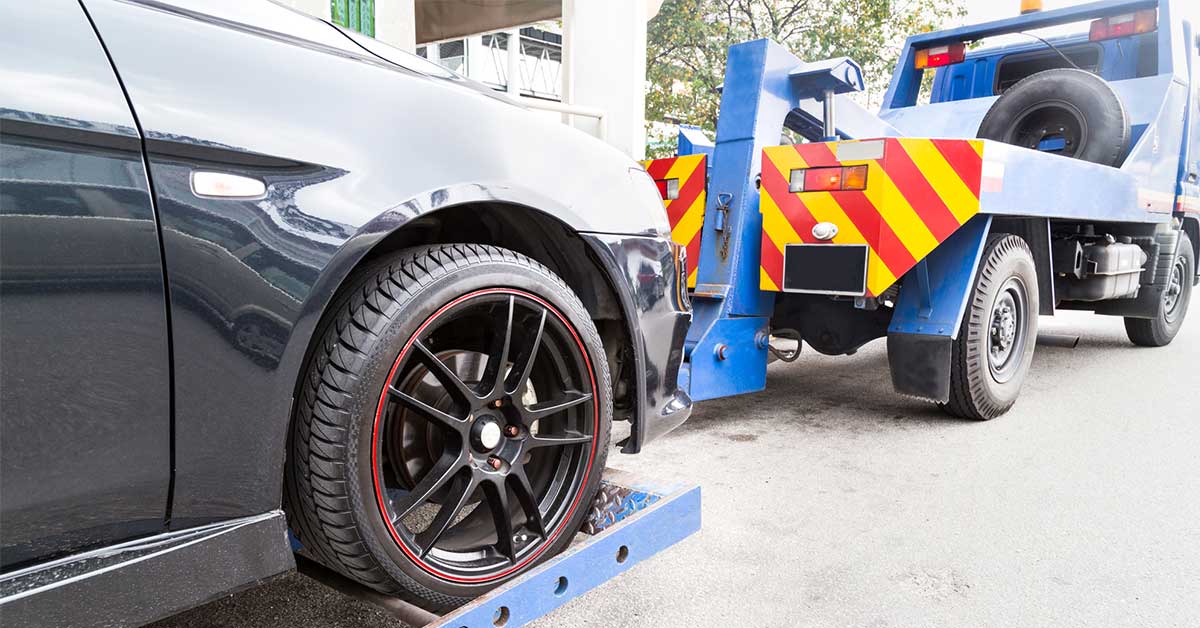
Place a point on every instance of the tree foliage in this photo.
(688, 40)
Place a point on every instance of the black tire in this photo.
(985, 378)
(1162, 329)
(340, 462)
(1074, 105)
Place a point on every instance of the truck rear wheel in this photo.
(1161, 330)
(994, 348)
(452, 425)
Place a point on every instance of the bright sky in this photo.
(985, 10)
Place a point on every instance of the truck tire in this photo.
(451, 426)
(991, 356)
(1161, 330)
(1073, 108)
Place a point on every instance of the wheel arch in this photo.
(480, 215)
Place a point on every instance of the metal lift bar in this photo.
(726, 346)
(632, 519)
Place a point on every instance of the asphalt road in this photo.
(831, 501)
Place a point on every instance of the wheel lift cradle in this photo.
(767, 88)
(632, 519)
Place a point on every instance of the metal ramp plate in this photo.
(632, 519)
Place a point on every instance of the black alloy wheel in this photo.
(485, 433)
(452, 425)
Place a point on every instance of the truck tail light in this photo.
(941, 56)
(668, 189)
(832, 179)
(1144, 21)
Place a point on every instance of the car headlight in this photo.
(646, 193)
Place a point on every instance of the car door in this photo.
(85, 416)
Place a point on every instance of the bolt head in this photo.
(494, 463)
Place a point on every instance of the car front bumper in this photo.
(649, 274)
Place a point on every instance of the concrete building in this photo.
(582, 60)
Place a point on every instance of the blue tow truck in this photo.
(1034, 173)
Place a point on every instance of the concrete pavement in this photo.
(831, 501)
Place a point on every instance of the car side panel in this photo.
(351, 148)
(84, 388)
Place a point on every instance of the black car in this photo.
(265, 282)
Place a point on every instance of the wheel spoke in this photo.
(497, 501)
(493, 373)
(523, 363)
(434, 480)
(426, 410)
(571, 437)
(460, 494)
(543, 410)
(448, 378)
(528, 501)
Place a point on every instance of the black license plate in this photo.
(825, 269)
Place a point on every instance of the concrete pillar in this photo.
(396, 23)
(604, 66)
(513, 73)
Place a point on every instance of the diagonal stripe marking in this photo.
(659, 167)
(870, 223)
(911, 184)
(964, 158)
(904, 220)
(944, 180)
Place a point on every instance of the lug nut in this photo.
(497, 403)
(511, 431)
(494, 463)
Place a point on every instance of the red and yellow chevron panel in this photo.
(681, 181)
(917, 193)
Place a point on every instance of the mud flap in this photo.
(920, 365)
(929, 311)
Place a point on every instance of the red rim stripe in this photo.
(379, 414)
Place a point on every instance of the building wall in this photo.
(395, 23)
(603, 60)
(315, 8)
(604, 65)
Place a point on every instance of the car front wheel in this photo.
(452, 425)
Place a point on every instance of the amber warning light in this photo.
(836, 179)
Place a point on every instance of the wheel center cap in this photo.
(489, 435)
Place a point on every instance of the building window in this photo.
(356, 15)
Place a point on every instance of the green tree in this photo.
(688, 40)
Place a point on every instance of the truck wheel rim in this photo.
(1006, 331)
(1172, 297)
(1054, 120)
(513, 450)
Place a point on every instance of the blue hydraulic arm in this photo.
(727, 344)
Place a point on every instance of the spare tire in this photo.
(1064, 111)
